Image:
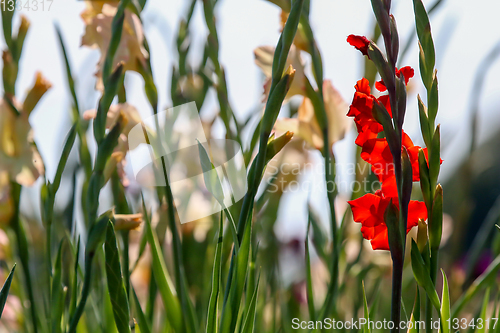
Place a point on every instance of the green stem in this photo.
(428, 313)
(23, 253)
(85, 293)
(316, 98)
(398, 247)
(126, 261)
(433, 273)
(122, 207)
(150, 305)
(397, 284)
(49, 267)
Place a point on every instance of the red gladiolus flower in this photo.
(360, 43)
(361, 109)
(407, 72)
(369, 210)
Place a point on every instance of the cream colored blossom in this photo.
(18, 154)
(36, 92)
(306, 126)
(98, 18)
(264, 59)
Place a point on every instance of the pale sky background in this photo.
(468, 29)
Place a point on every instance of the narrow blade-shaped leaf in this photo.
(366, 328)
(216, 275)
(248, 324)
(142, 322)
(445, 304)
(116, 287)
(482, 315)
(162, 278)
(232, 305)
(57, 301)
(309, 283)
(422, 275)
(415, 315)
(5, 289)
(212, 181)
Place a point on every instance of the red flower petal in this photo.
(369, 209)
(407, 71)
(377, 153)
(380, 85)
(390, 188)
(386, 102)
(361, 103)
(359, 42)
(416, 211)
(368, 131)
(380, 241)
(363, 86)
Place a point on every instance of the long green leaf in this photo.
(5, 289)
(415, 315)
(445, 304)
(232, 305)
(251, 283)
(116, 287)
(57, 302)
(212, 181)
(422, 275)
(74, 278)
(310, 291)
(162, 278)
(94, 243)
(214, 186)
(141, 318)
(319, 236)
(366, 328)
(248, 324)
(216, 281)
(64, 158)
(69, 74)
(483, 312)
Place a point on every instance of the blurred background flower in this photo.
(98, 17)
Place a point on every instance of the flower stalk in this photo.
(279, 87)
(386, 114)
(327, 152)
(394, 133)
(431, 190)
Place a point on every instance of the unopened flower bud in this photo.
(36, 92)
(421, 235)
